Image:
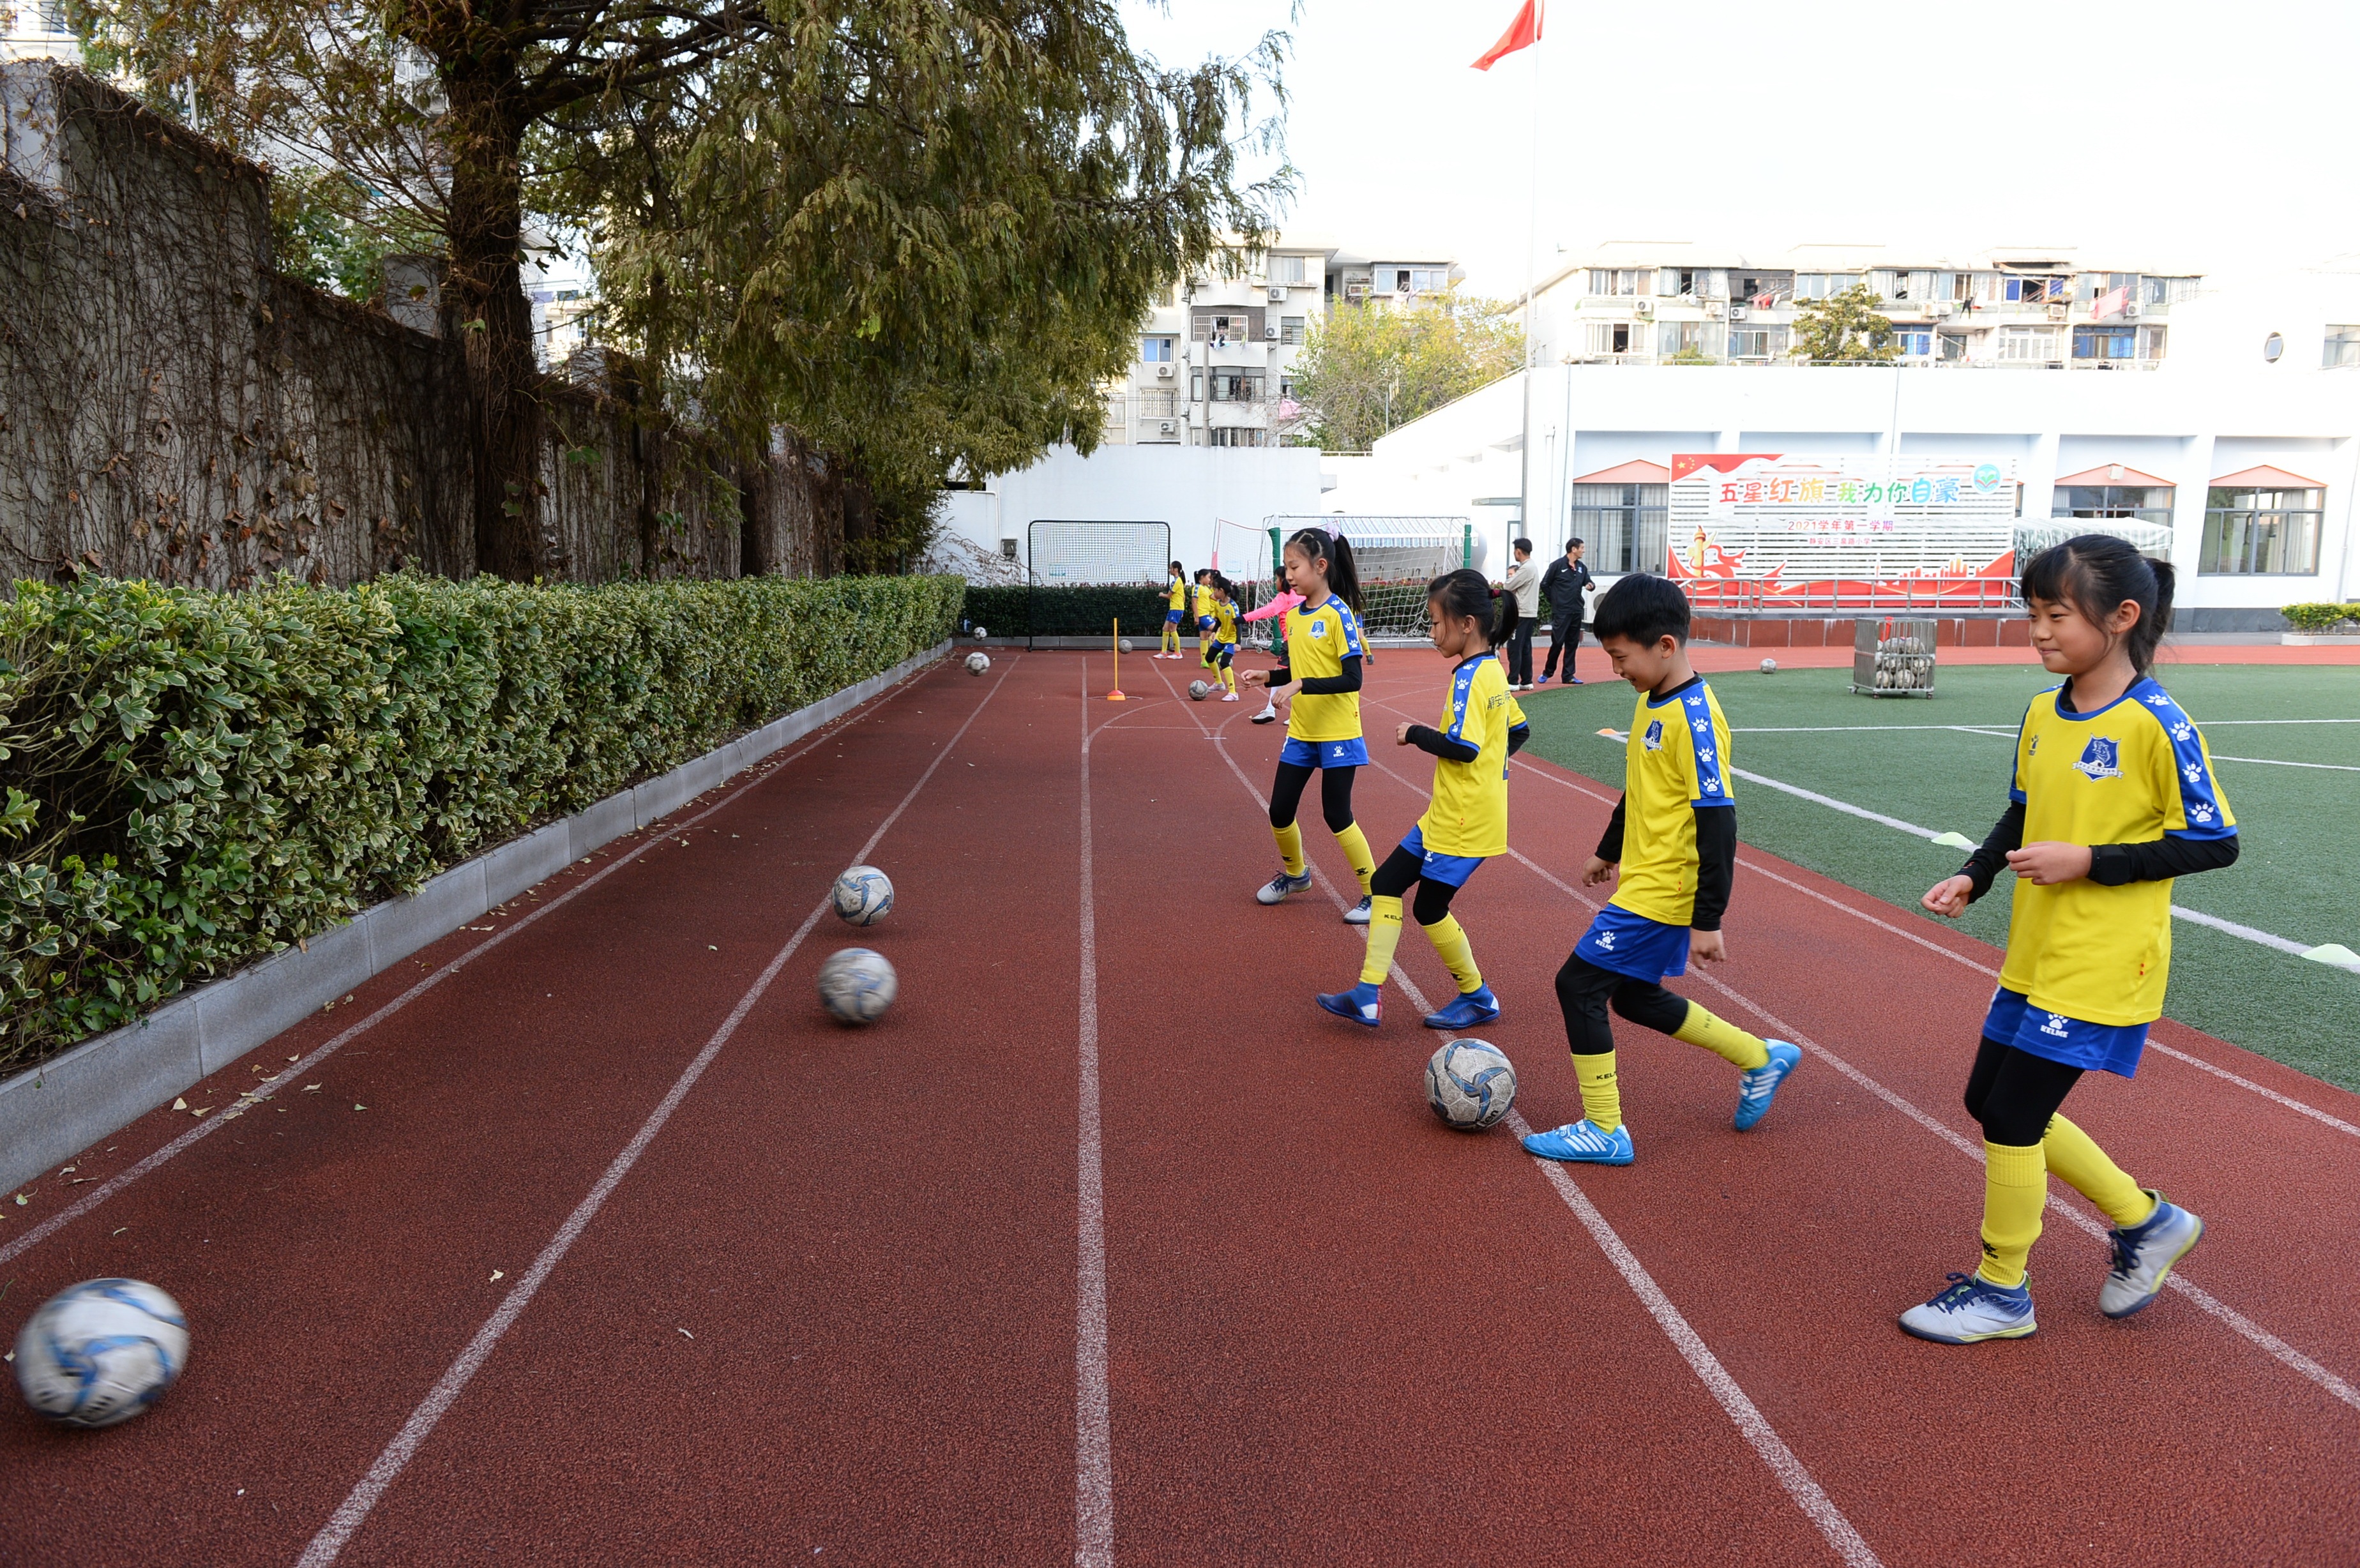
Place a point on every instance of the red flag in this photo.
(1523, 33)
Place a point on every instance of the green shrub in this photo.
(194, 781)
(1079, 611)
(2319, 617)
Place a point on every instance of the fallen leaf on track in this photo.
(496, 1273)
(179, 1105)
(310, 1088)
(360, 1107)
(685, 1335)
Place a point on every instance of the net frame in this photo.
(1398, 556)
(1123, 560)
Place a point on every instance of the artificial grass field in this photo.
(2298, 874)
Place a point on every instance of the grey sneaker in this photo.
(1357, 915)
(1276, 889)
(2144, 1256)
(1970, 1310)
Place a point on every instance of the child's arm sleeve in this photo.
(1610, 842)
(1991, 858)
(1333, 685)
(1433, 741)
(2159, 860)
(1716, 837)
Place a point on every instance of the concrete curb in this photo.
(53, 1111)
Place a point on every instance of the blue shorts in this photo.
(1450, 870)
(1170, 617)
(1634, 945)
(1354, 753)
(2053, 1037)
(1205, 624)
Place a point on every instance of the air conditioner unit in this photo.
(1712, 310)
(2056, 312)
(2130, 313)
(1162, 373)
(1645, 310)
(1270, 334)
(1737, 312)
(1164, 426)
(1277, 295)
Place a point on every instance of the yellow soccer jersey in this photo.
(2134, 771)
(1178, 598)
(1225, 620)
(1469, 813)
(1203, 600)
(1317, 643)
(1675, 759)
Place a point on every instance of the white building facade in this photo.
(36, 30)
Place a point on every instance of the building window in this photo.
(1237, 435)
(1823, 285)
(2138, 503)
(1624, 525)
(2342, 348)
(2262, 532)
(1196, 387)
(1236, 386)
(1694, 339)
(1007, 548)
(2027, 346)
(1610, 337)
(1290, 329)
(1915, 342)
(1758, 342)
(1286, 269)
(1155, 351)
(2033, 290)
(2108, 342)
(1620, 280)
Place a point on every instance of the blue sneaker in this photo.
(1361, 1004)
(2144, 1256)
(1582, 1143)
(1758, 1087)
(1971, 1308)
(1470, 1008)
(1280, 886)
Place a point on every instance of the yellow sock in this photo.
(1290, 847)
(2070, 1153)
(1384, 932)
(1601, 1097)
(1723, 1038)
(1356, 850)
(2016, 1184)
(1228, 677)
(1449, 938)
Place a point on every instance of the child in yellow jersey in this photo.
(2113, 797)
(1175, 602)
(1321, 673)
(1201, 601)
(1673, 840)
(1466, 822)
(1221, 646)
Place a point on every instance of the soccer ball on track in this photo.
(981, 634)
(857, 986)
(977, 663)
(101, 1351)
(1198, 690)
(1470, 1084)
(863, 895)
(1769, 667)
(1125, 645)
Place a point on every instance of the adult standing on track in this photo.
(1564, 584)
(1525, 582)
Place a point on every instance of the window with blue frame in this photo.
(2106, 342)
(1155, 351)
(1912, 341)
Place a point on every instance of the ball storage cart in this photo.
(1893, 657)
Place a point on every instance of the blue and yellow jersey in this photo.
(1204, 602)
(1225, 622)
(1675, 759)
(1178, 597)
(2134, 771)
(1469, 813)
(1317, 643)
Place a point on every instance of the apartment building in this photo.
(36, 30)
(1217, 356)
(2033, 307)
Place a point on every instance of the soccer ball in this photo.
(1198, 690)
(1769, 667)
(863, 895)
(1124, 643)
(857, 986)
(977, 663)
(101, 1351)
(981, 634)
(1470, 1084)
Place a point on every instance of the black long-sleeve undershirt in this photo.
(1324, 685)
(1716, 840)
(2111, 865)
(1434, 743)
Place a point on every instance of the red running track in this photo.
(771, 1291)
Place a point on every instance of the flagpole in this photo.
(1532, 266)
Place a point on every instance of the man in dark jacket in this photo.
(1563, 586)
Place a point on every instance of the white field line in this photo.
(654, 832)
(2300, 1107)
(354, 1510)
(2244, 1327)
(1755, 1428)
(2281, 762)
(1092, 1434)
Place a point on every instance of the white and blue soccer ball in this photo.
(101, 1351)
(863, 895)
(857, 986)
(1769, 667)
(1470, 1084)
(977, 663)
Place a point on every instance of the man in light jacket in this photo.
(1525, 582)
(1564, 584)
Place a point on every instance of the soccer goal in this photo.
(1066, 553)
(1397, 557)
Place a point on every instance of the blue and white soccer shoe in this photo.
(1361, 1004)
(1970, 1310)
(1279, 887)
(1757, 1087)
(1466, 1011)
(1582, 1143)
(2144, 1255)
(1359, 913)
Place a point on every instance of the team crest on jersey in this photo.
(1653, 739)
(2102, 758)
(1319, 629)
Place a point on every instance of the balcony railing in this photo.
(1741, 596)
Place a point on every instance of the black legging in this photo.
(2014, 1093)
(1395, 877)
(1583, 991)
(1565, 638)
(1335, 794)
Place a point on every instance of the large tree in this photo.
(916, 230)
(1844, 329)
(1368, 368)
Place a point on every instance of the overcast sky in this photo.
(2168, 134)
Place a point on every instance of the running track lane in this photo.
(336, 1261)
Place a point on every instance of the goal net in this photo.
(1397, 557)
(1064, 554)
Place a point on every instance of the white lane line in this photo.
(1832, 802)
(1771, 1449)
(2244, 1327)
(2281, 762)
(654, 832)
(354, 1510)
(1092, 1440)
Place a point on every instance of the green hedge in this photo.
(194, 781)
(2318, 618)
(1080, 610)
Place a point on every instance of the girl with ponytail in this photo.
(1467, 819)
(2113, 797)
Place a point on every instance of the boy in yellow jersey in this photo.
(1175, 603)
(1222, 645)
(2113, 797)
(1322, 675)
(1674, 840)
(1201, 608)
(1467, 820)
